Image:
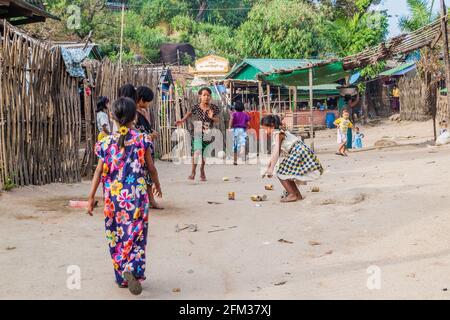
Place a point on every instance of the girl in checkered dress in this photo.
(292, 160)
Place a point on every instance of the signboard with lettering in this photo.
(211, 67)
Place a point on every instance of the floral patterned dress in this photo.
(126, 201)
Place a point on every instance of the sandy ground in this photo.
(386, 208)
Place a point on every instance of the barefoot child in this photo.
(343, 124)
(357, 143)
(239, 123)
(203, 115)
(124, 162)
(298, 165)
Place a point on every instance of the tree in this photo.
(421, 15)
(281, 29)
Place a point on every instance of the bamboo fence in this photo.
(48, 125)
(39, 113)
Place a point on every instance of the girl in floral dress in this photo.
(124, 162)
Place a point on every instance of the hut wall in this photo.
(413, 100)
(442, 109)
(378, 102)
(39, 113)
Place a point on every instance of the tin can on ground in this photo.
(269, 187)
(231, 195)
(257, 198)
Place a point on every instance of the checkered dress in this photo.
(299, 163)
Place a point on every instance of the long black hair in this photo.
(128, 91)
(239, 106)
(124, 112)
(101, 104)
(271, 121)
(145, 94)
(200, 92)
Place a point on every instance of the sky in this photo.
(398, 8)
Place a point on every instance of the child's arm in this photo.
(275, 156)
(105, 129)
(94, 187)
(153, 173)
(230, 125)
(187, 116)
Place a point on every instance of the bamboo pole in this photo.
(121, 42)
(260, 96)
(444, 23)
(311, 103)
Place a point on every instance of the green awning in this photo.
(323, 73)
(400, 70)
(321, 90)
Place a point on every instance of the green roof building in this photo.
(248, 69)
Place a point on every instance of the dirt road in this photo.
(386, 209)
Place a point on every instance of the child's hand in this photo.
(90, 207)
(157, 191)
(154, 135)
(211, 113)
(179, 122)
(268, 174)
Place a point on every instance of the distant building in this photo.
(177, 53)
(20, 12)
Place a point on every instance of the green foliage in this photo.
(9, 184)
(281, 29)
(421, 15)
(234, 29)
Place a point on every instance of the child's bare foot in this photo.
(203, 176)
(192, 177)
(290, 198)
(299, 197)
(155, 206)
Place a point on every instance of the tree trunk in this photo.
(202, 10)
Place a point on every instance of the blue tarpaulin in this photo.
(73, 57)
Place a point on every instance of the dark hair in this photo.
(200, 92)
(101, 103)
(271, 121)
(145, 94)
(128, 91)
(239, 106)
(124, 112)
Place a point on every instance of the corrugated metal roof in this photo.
(34, 8)
(400, 70)
(270, 65)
